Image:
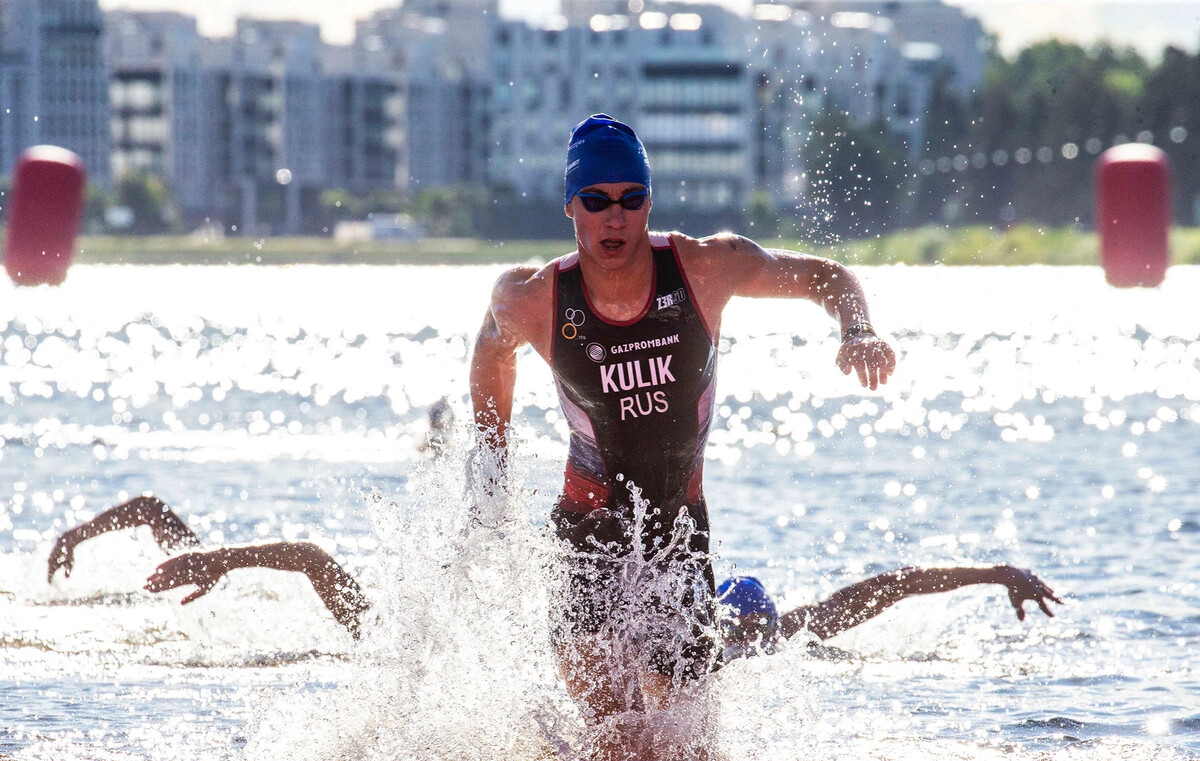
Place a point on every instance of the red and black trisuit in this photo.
(638, 398)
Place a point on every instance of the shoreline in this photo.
(975, 246)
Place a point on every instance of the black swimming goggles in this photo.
(631, 201)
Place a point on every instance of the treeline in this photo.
(1021, 149)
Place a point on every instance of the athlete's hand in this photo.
(1023, 585)
(62, 555)
(869, 356)
(603, 529)
(486, 486)
(200, 568)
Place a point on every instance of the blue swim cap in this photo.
(745, 595)
(603, 149)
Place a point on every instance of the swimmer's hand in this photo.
(62, 555)
(601, 528)
(1023, 585)
(204, 569)
(869, 356)
(486, 486)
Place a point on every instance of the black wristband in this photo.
(856, 330)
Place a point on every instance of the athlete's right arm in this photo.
(144, 510)
(521, 303)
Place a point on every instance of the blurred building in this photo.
(161, 96)
(959, 39)
(880, 60)
(251, 129)
(676, 72)
(441, 51)
(365, 114)
(783, 71)
(54, 81)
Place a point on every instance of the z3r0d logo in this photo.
(596, 352)
(570, 328)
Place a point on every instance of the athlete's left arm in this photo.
(850, 606)
(750, 270)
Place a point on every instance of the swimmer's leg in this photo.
(606, 690)
(679, 729)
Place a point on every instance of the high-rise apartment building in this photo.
(54, 81)
(442, 52)
(250, 129)
(677, 74)
(161, 99)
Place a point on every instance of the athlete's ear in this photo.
(569, 211)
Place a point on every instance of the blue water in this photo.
(1037, 417)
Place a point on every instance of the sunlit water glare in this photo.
(1037, 417)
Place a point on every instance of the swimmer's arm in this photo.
(336, 588)
(169, 531)
(756, 272)
(505, 329)
(493, 377)
(852, 605)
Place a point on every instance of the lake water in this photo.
(1037, 417)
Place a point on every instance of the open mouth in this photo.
(612, 245)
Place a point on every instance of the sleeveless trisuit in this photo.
(638, 399)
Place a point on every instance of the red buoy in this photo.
(43, 215)
(1133, 214)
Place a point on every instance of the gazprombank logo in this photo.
(596, 352)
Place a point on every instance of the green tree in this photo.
(761, 216)
(455, 211)
(148, 199)
(338, 205)
(1031, 132)
(5, 199)
(1172, 114)
(96, 200)
(856, 175)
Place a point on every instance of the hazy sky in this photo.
(1145, 24)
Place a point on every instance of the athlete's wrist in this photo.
(856, 330)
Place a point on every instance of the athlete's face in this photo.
(746, 631)
(611, 236)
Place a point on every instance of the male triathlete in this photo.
(751, 624)
(628, 324)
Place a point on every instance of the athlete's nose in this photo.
(615, 216)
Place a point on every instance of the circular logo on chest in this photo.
(596, 352)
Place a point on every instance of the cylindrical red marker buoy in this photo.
(1133, 214)
(43, 215)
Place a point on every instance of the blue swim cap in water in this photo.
(745, 595)
(603, 149)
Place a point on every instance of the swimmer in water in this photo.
(336, 588)
(441, 425)
(751, 625)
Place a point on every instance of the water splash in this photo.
(455, 662)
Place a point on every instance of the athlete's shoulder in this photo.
(723, 253)
(524, 282)
(523, 298)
